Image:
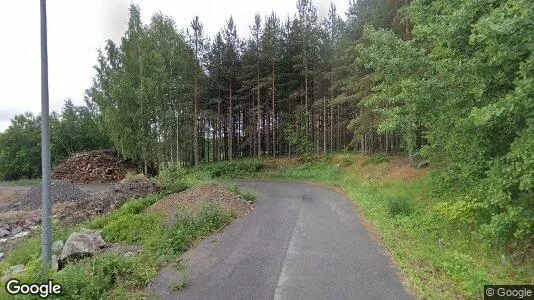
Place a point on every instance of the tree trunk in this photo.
(273, 112)
(195, 122)
(231, 129)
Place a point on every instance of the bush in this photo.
(399, 206)
(377, 159)
(234, 169)
(92, 277)
(172, 179)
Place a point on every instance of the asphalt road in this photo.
(302, 242)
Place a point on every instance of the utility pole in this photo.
(46, 216)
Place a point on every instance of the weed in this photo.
(246, 195)
(399, 206)
(234, 169)
(376, 159)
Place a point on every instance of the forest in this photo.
(449, 82)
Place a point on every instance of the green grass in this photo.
(115, 276)
(404, 216)
(247, 195)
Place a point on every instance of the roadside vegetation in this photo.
(434, 238)
(448, 82)
(157, 243)
(441, 249)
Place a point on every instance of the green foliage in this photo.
(377, 159)
(189, 227)
(112, 275)
(150, 71)
(247, 195)
(172, 179)
(464, 262)
(75, 129)
(233, 169)
(346, 160)
(20, 154)
(91, 278)
(297, 135)
(473, 63)
(399, 206)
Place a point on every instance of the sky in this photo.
(77, 29)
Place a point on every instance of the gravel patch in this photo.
(60, 191)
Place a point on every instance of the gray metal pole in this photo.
(45, 147)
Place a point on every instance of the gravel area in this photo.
(60, 191)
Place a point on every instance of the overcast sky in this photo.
(76, 29)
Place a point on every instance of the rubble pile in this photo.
(97, 166)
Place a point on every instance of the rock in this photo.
(20, 234)
(2, 256)
(12, 271)
(55, 263)
(84, 243)
(57, 246)
(4, 232)
(16, 230)
(3, 240)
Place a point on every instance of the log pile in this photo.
(97, 166)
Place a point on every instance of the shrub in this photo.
(92, 277)
(172, 179)
(377, 159)
(234, 169)
(399, 205)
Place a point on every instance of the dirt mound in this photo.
(98, 166)
(207, 193)
(60, 191)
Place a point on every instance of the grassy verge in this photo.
(112, 275)
(441, 259)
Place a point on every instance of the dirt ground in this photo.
(8, 197)
(397, 168)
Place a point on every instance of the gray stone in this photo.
(16, 230)
(20, 234)
(12, 271)
(3, 240)
(2, 256)
(55, 263)
(57, 246)
(4, 232)
(84, 243)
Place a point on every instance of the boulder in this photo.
(57, 246)
(55, 263)
(4, 232)
(83, 243)
(12, 271)
(16, 230)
